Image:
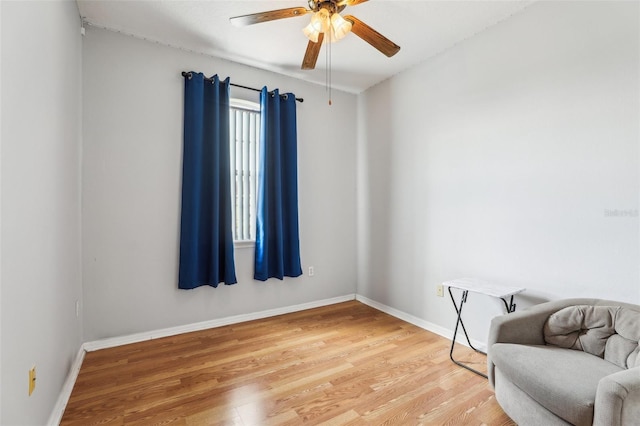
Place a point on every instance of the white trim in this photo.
(241, 244)
(429, 326)
(172, 331)
(58, 410)
(244, 104)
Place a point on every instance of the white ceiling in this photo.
(423, 28)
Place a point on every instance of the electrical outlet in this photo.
(440, 290)
(311, 271)
(32, 380)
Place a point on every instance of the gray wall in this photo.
(499, 159)
(40, 236)
(132, 154)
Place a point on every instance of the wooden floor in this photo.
(344, 364)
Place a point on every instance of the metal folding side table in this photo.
(483, 287)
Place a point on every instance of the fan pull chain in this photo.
(328, 65)
(330, 49)
(326, 68)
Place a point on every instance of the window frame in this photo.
(236, 104)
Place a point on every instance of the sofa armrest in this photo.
(618, 399)
(524, 327)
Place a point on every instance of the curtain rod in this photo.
(186, 74)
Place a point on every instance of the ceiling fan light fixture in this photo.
(311, 33)
(320, 21)
(340, 27)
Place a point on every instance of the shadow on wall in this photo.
(374, 189)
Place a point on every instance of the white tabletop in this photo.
(484, 287)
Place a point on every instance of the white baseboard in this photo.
(67, 387)
(419, 322)
(172, 331)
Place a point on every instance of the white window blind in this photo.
(245, 139)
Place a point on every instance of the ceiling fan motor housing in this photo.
(330, 5)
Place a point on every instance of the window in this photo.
(244, 143)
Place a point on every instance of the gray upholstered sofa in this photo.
(574, 361)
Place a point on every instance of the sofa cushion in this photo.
(521, 407)
(609, 332)
(628, 327)
(561, 380)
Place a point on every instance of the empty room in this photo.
(341, 212)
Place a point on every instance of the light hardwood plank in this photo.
(344, 364)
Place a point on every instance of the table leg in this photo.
(463, 300)
(511, 307)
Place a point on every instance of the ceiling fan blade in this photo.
(372, 37)
(271, 15)
(311, 55)
(350, 2)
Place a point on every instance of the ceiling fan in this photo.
(325, 22)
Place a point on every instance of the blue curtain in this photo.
(206, 241)
(277, 251)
